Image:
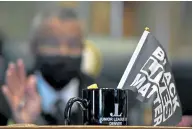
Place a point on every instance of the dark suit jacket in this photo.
(5, 111)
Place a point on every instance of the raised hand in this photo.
(21, 93)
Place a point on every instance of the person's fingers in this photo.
(21, 72)
(31, 92)
(8, 95)
(14, 76)
(32, 81)
(6, 92)
(13, 81)
(31, 85)
(9, 77)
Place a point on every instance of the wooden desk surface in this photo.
(88, 127)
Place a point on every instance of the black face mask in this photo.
(58, 70)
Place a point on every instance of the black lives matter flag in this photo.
(149, 75)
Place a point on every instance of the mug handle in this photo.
(82, 102)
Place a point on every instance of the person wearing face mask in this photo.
(57, 43)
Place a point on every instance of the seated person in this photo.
(57, 43)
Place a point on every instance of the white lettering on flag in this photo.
(138, 82)
(154, 79)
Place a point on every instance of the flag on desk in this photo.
(149, 75)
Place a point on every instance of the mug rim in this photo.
(106, 89)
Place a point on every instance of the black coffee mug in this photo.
(101, 106)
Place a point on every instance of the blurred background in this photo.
(112, 31)
(115, 24)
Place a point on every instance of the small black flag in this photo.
(149, 74)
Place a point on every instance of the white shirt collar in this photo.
(49, 95)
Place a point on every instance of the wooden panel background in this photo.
(100, 16)
(72, 4)
(129, 18)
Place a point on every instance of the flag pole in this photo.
(133, 58)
